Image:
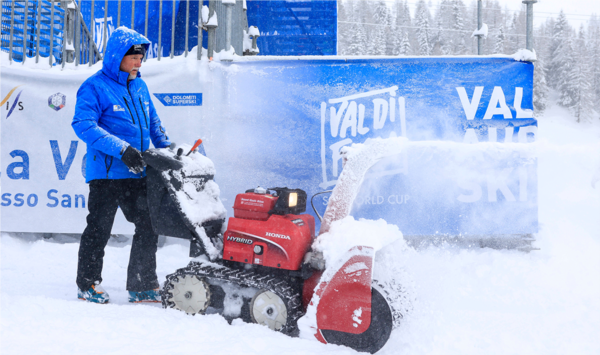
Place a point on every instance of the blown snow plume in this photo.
(358, 158)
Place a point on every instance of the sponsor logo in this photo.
(6, 100)
(183, 99)
(117, 108)
(275, 235)
(57, 101)
(239, 240)
(354, 119)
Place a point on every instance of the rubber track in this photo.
(246, 278)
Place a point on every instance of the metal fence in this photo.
(76, 31)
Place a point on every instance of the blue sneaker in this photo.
(152, 296)
(94, 294)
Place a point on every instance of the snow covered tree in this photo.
(458, 27)
(422, 21)
(565, 80)
(559, 60)
(405, 45)
(500, 38)
(540, 87)
(581, 79)
(357, 40)
(381, 17)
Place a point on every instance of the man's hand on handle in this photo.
(133, 159)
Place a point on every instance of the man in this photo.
(115, 117)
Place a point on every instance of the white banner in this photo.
(43, 184)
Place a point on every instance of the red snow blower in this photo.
(261, 267)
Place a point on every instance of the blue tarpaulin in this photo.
(153, 7)
(295, 27)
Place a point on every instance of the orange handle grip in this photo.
(198, 142)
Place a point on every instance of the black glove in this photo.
(133, 159)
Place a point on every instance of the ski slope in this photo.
(467, 300)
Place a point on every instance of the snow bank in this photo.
(466, 301)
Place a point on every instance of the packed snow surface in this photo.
(467, 301)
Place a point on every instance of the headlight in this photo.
(293, 201)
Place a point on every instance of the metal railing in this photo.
(32, 29)
(76, 31)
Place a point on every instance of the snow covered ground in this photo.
(468, 301)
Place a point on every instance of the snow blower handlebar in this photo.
(161, 162)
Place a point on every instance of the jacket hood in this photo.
(117, 45)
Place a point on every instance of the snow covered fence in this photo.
(468, 168)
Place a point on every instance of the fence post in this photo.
(200, 39)
(133, 15)
(37, 32)
(77, 32)
(529, 4)
(173, 29)
(25, 22)
(12, 27)
(159, 28)
(187, 25)
(64, 35)
(51, 33)
(228, 5)
(92, 28)
(105, 29)
(146, 27)
(479, 25)
(212, 29)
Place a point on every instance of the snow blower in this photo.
(261, 267)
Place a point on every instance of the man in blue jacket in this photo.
(115, 117)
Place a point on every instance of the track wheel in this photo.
(372, 339)
(267, 308)
(190, 294)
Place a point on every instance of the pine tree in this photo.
(405, 45)
(357, 40)
(500, 38)
(565, 80)
(540, 87)
(558, 58)
(581, 79)
(423, 33)
(381, 17)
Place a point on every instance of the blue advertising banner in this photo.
(467, 170)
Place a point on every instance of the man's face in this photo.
(131, 63)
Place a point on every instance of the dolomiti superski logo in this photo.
(180, 99)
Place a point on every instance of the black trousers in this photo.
(104, 199)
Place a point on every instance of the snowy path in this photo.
(477, 301)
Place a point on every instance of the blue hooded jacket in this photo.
(112, 113)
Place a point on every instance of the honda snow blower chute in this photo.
(261, 267)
